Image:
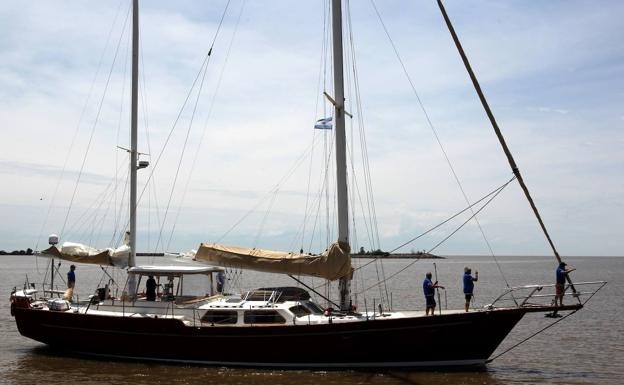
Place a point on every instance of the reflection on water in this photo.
(586, 348)
(57, 368)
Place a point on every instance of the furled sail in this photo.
(80, 253)
(332, 264)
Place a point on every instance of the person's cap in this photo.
(428, 274)
(72, 267)
(562, 264)
(467, 269)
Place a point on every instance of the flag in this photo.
(324, 124)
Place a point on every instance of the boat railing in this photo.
(545, 295)
(44, 290)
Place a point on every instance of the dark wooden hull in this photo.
(446, 340)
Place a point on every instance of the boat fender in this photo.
(328, 313)
(58, 304)
(12, 301)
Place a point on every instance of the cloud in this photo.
(549, 109)
(552, 73)
(17, 168)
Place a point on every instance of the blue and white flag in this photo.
(324, 124)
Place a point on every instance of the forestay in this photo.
(332, 264)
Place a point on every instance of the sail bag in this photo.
(332, 264)
(77, 252)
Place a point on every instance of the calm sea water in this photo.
(586, 348)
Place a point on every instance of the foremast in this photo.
(341, 158)
(133, 146)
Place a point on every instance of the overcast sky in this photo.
(553, 72)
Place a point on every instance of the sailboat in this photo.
(271, 326)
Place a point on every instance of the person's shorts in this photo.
(468, 296)
(559, 288)
(430, 302)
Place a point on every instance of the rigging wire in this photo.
(90, 212)
(437, 138)
(370, 202)
(543, 329)
(80, 119)
(320, 80)
(121, 108)
(205, 66)
(496, 190)
(182, 153)
(499, 135)
(492, 196)
(208, 117)
(95, 123)
(143, 94)
(175, 123)
(276, 187)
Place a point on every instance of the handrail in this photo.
(515, 293)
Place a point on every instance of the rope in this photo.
(495, 191)
(437, 138)
(554, 323)
(531, 336)
(438, 225)
(493, 195)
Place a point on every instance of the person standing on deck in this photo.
(469, 281)
(150, 289)
(71, 283)
(220, 281)
(561, 275)
(429, 290)
(71, 277)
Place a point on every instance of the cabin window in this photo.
(314, 308)
(300, 310)
(233, 300)
(263, 317)
(222, 317)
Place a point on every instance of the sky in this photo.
(243, 164)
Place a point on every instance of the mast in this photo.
(133, 146)
(341, 158)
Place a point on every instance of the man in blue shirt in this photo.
(429, 290)
(71, 277)
(561, 275)
(469, 281)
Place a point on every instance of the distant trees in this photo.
(378, 252)
(28, 251)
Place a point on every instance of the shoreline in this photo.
(399, 256)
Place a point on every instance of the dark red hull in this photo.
(453, 339)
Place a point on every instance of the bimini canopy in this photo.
(332, 264)
(76, 252)
(174, 271)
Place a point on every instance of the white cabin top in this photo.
(175, 271)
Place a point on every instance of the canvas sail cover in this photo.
(332, 264)
(77, 252)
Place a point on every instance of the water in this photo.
(586, 348)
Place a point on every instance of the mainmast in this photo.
(341, 158)
(133, 146)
